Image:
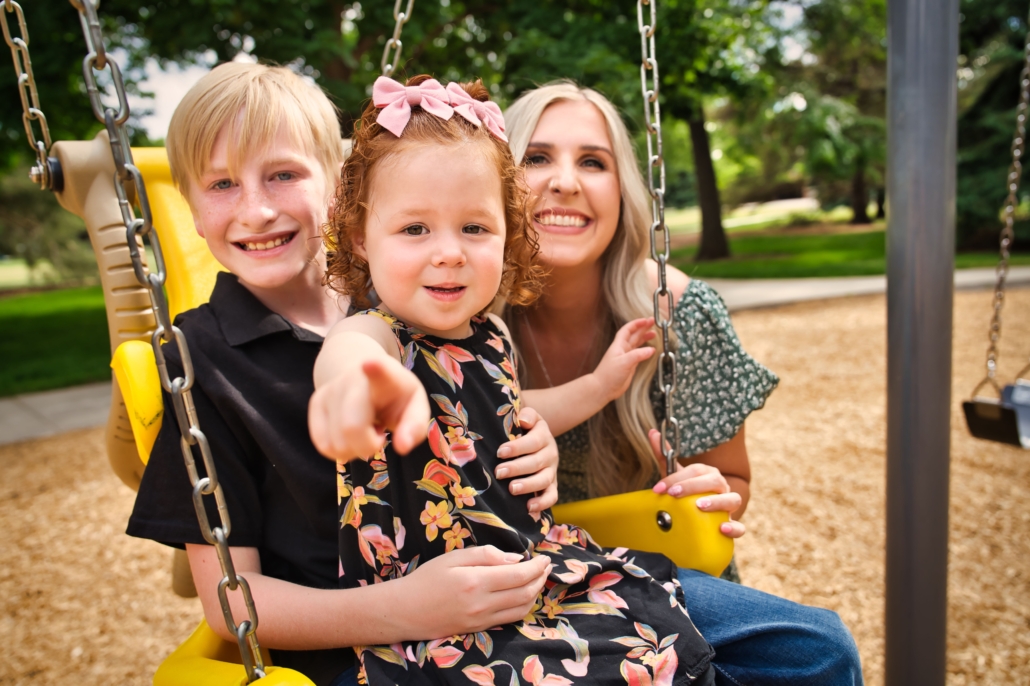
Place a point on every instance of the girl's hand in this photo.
(469, 590)
(349, 416)
(615, 370)
(699, 478)
(537, 460)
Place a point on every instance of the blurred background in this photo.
(773, 118)
(775, 150)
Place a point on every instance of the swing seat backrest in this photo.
(642, 520)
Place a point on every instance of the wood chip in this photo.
(83, 601)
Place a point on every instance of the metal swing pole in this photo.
(921, 103)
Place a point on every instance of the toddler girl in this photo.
(431, 213)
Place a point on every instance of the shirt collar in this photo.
(243, 318)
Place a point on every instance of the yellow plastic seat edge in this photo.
(630, 520)
(136, 372)
(204, 660)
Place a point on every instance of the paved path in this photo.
(35, 415)
(746, 294)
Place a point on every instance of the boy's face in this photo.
(265, 225)
(434, 236)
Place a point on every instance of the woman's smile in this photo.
(560, 220)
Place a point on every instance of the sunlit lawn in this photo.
(59, 338)
(776, 257)
(52, 340)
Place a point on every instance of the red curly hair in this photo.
(347, 272)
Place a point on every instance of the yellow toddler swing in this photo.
(104, 181)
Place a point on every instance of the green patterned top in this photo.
(718, 386)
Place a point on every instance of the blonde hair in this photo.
(621, 458)
(347, 272)
(253, 101)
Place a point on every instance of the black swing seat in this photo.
(1006, 420)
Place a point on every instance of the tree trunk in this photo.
(859, 197)
(881, 203)
(713, 245)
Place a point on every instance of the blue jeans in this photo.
(760, 639)
(348, 678)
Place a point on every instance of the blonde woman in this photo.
(592, 212)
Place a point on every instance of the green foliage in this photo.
(35, 228)
(52, 340)
(992, 38)
(781, 257)
(57, 49)
(822, 124)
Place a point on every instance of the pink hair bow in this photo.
(477, 111)
(397, 100)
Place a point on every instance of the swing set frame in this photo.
(922, 131)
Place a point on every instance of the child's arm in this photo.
(362, 390)
(494, 588)
(574, 402)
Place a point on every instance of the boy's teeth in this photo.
(550, 219)
(267, 245)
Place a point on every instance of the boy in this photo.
(256, 151)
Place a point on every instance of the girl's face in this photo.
(571, 170)
(434, 237)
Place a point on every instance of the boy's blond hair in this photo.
(253, 101)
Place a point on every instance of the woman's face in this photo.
(571, 170)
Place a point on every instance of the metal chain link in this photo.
(389, 66)
(130, 188)
(31, 110)
(670, 427)
(1007, 232)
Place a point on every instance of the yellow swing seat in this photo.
(641, 520)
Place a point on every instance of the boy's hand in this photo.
(349, 416)
(493, 587)
(537, 460)
(615, 370)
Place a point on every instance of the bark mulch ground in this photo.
(83, 602)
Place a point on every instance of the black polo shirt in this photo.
(253, 383)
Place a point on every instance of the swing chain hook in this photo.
(660, 243)
(1007, 231)
(45, 171)
(387, 64)
(132, 193)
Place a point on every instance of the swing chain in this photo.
(42, 171)
(670, 428)
(1007, 231)
(386, 64)
(131, 191)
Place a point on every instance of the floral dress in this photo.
(603, 617)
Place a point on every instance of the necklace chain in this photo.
(540, 359)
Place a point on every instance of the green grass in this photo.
(59, 338)
(53, 339)
(783, 257)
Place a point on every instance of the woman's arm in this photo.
(493, 587)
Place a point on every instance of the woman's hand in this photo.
(349, 416)
(533, 455)
(615, 370)
(697, 478)
(468, 590)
